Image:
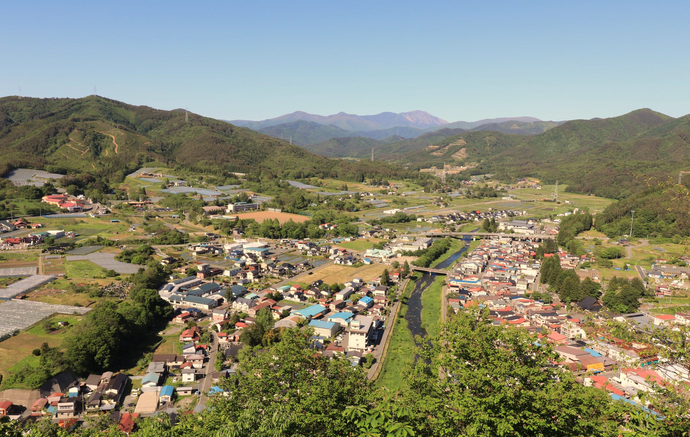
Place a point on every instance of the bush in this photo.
(611, 253)
(36, 352)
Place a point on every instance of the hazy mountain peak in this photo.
(353, 122)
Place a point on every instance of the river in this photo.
(414, 303)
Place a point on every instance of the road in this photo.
(629, 248)
(206, 382)
(390, 321)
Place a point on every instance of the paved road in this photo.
(206, 382)
(378, 350)
(640, 271)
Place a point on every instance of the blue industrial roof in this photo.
(256, 249)
(321, 324)
(343, 315)
(366, 300)
(167, 390)
(311, 311)
(592, 352)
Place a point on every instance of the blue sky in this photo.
(458, 60)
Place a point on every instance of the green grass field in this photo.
(84, 269)
(399, 358)
(431, 307)
(671, 310)
(15, 352)
(359, 245)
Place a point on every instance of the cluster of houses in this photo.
(471, 216)
(252, 261)
(97, 394)
(32, 239)
(499, 276)
(63, 201)
(351, 316)
(192, 292)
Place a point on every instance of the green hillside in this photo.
(611, 157)
(518, 127)
(304, 132)
(107, 138)
(388, 149)
(347, 147)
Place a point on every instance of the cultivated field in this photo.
(340, 274)
(283, 217)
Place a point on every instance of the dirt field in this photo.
(282, 217)
(340, 274)
(17, 263)
(54, 266)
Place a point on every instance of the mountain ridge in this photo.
(109, 139)
(352, 122)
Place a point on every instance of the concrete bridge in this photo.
(428, 270)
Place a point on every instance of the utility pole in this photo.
(372, 154)
(631, 222)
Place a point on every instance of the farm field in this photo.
(283, 217)
(58, 293)
(16, 350)
(340, 274)
(84, 269)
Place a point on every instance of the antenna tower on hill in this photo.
(186, 115)
(555, 192)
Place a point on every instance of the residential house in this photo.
(69, 407)
(150, 380)
(191, 334)
(167, 393)
(188, 375)
(5, 407)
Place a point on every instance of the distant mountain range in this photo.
(308, 129)
(352, 122)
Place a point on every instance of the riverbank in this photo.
(399, 355)
(431, 307)
(419, 314)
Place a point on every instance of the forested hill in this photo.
(105, 137)
(612, 157)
